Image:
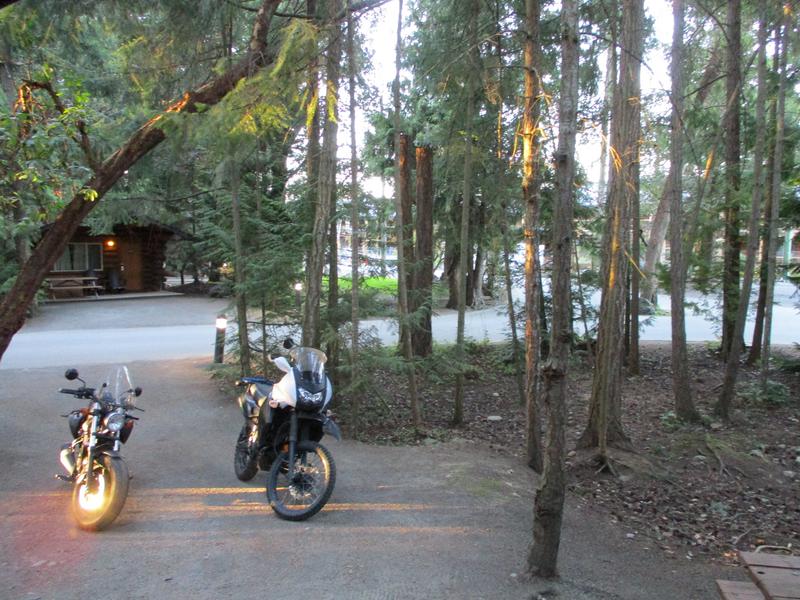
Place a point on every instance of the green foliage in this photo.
(775, 394)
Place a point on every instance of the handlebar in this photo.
(80, 393)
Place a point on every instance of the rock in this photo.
(496, 394)
(790, 474)
(573, 454)
(494, 418)
(716, 426)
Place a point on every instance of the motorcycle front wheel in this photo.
(96, 509)
(244, 463)
(306, 493)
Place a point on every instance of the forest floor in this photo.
(697, 491)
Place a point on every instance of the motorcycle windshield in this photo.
(310, 363)
(117, 387)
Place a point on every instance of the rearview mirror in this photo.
(137, 391)
(71, 374)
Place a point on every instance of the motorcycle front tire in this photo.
(244, 463)
(322, 471)
(94, 514)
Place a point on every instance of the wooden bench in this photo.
(775, 577)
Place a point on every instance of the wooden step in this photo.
(738, 590)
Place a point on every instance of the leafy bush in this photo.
(775, 394)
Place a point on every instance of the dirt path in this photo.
(440, 521)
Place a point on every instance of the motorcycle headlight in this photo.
(307, 396)
(115, 422)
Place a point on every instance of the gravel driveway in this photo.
(439, 521)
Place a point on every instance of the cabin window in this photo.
(81, 257)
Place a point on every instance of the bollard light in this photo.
(219, 342)
(298, 288)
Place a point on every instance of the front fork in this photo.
(292, 444)
(90, 449)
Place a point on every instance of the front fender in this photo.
(109, 452)
(248, 406)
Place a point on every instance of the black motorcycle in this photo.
(93, 463)
(284, 423)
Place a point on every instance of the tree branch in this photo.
(83, 140)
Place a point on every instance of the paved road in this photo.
(427, 522)
(119, 330)
(115, 331)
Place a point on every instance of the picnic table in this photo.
(775, 577)
(85, 283)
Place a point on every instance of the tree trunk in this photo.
(312, 133)
(451, 258)
(531, 146)
(684, 406)
(658, 229)
(402, 291)
(333, 264)
(758, 325)
(54, 241)
(466, 198)
(421, 336)
(605, 422)
(733, 242)
(635, 274)
(549, 504)
(732, 366)
(406, 201)
(506, 253)
(655, 243)
(239, 270)
(783, 41)
(325, 188)
(355, 205)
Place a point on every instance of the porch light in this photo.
(222, 322)
(110, 243)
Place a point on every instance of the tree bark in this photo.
(402, 291)
(658, 229)
(504, 228)
(312, 136)
(239, 270)
(783, 41)
(325, 188)
(733, 241)
(549, 505)
(758, 325)
(531, 146)
(684, 406)
(404, 193)
(54, 241)
(605, 419)
(466, 198)
(421, 335)
(355, 203)
(732, 366)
